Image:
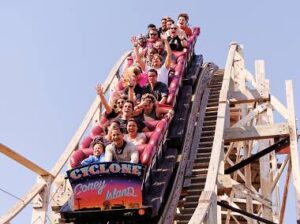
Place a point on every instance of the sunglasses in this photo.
(153, 34)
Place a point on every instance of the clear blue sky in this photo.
(52, 53)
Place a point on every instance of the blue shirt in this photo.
(93, 159)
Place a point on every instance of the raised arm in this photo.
(100, 93)
(183, 40)
(136, 52)
(168, 60)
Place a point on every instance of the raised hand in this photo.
(99, 89)
(163, 36)
(134, 41)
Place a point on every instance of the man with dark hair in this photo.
(121, 150)
(183, 19)
(126, 115)
(150, 27)
(163, 26)
(158, 89)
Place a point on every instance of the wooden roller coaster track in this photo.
(231, 156)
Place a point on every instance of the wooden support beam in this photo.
(206, 201)
(38, 187)
(227, 73)
(242, 176)
(277, 146)
(285, 193)
(40, 202)
(233, 204)
(248, 96)
(279, 172)
(257, 132)
(293, 145)
(259, 109)
(264, 162)
(279, 107)
(23, 161)
(226, 182)
(250, 215)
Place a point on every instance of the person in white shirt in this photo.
(121, 150)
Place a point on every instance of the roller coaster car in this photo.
(108, 192)
(102, 190)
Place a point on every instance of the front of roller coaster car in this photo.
(108, 187)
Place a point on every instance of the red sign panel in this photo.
(107, 190)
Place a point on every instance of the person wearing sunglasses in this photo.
(153, 36)
(177, 42)
(157, 63)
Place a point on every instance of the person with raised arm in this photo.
(148, 110)
(176, 41)
(157, 63)
(110, 112)
(127, 113)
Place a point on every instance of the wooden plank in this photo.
(23, 161)
(275, 194)
(264, 162)
(285, 193)
(279, 107)
(203, 207)
(293, 144)
(259, 109)
(233, 204)
(216, 148)
(227, 73)
(38, 187)
(247, 169)
(248, 96)
(40, 202)
(255, 132)
(86, 121)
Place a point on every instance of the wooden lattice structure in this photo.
(244, 171)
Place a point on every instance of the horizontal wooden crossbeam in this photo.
(255, 132)
(248, 96)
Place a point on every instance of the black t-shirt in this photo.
(123, 124)
(111, 115)
(160, 90)
(138, 91)
(175, 43)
